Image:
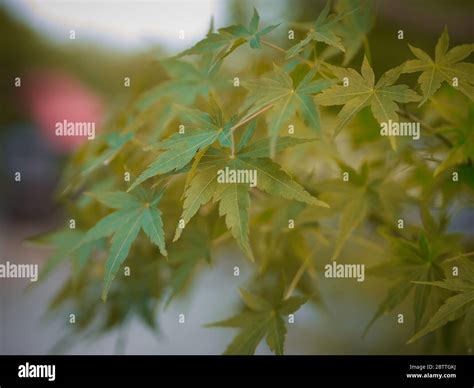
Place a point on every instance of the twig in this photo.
(367, 51)
(232, 145)
(247, 119)
(301, 271)
(461, 255)
(224, 236)
(296, 279)
(282, 50)
(411, 116)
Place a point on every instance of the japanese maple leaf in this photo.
(187, 82)
(180, 148)
(134, 212)
(234, 198)
(354, 28)
(186, 254)
(227, 39)
(445, 67)
(67, 243)
(115, 143)
(416, 261)
(462, 150)
(362, 91)
(261, 319)
(457, 306)
(322, 31)
(286, 99)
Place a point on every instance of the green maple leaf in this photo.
(115, 143)
(187, 82)
(444, 68)
(67, 243)
(180, 149)
(322, 31)
(227, 39)
(261, 319)
(362, 91)
(134, 212)
(247, 135)
(286, 99)
(463, 148)
(185, 256)
(202, 129)
(367, 191)
(413, 261)
(454, 307)
(353, 29)
(233, 198)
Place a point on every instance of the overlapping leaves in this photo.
(285, 99)
(134, 212)
(416, 261)
(454, 307)
(361, 91)
(227, 39)
(445, 67)
(261, 319)
(234, 198)
(321, 31)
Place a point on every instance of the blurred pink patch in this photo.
(53, 97)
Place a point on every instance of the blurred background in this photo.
(81, 79)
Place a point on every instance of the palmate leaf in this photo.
(286, 99)
(353, 28)
(445, 67)
(185, 256)
(366, 192)
(261, 319)
(134, 213)
(67, 244)
(227, 39)
(202, 129)
(463, 148)
(415, 263)
(115, 143)
(233, 198)
(187, 82)
(454, 307)
(322, 31)
(362, 91)
(234, 203)
(180, 150)
(247, 135)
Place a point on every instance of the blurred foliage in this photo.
(173, 138)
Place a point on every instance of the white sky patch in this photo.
(125, 25)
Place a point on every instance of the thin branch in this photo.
(411, 116)
(296, 279)
(367, 51)
(274, 46)
(247, 119)
(301, 271)
(224, 236)
(308, 62)
(282, 50)
(460, 256)
(232, 145)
